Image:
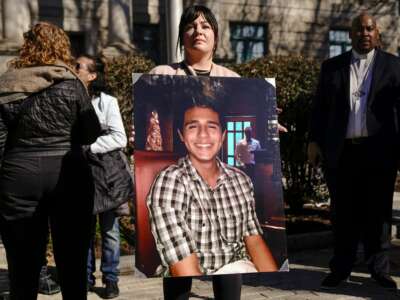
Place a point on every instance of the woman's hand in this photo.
(131, 139)
(281, 128)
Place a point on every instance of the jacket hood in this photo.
(17, 84)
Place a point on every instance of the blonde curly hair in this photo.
(43, 44)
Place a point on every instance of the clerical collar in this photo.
(368, 55)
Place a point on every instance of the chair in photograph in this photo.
(147, 165)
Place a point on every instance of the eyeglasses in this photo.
(80, 66)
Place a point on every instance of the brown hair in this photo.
(43, 44)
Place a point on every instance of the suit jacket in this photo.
(331, 108)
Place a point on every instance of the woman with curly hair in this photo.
(45, 118)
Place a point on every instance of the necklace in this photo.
(195, 72)
(202, 72)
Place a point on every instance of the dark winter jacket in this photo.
(49, 122)
(113, 180)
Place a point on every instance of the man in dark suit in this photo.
(354, 132)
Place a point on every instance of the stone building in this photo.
(248, 28)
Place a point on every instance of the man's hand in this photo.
(189, 266)
(314, 154)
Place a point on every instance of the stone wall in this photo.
(293, 27)
(87, 19)
(302, 27)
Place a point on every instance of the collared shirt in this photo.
(360, 83)
(187, 216)
(245, 151)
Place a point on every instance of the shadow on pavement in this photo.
(298, 280)
(4, 285)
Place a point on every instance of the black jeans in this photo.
(226, 287)
(55, 191)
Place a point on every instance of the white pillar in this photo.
(17, 19)
(120, 19)
(119, 37)
(174, 9)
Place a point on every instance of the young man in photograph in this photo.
(202, 211)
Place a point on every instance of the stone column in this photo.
(17, 16)
(119, 28)
(173, 12)
(96, 26)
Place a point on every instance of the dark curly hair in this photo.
(43, 44)
(98, 66)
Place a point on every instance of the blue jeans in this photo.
(110, 248)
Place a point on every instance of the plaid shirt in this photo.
(187, 216)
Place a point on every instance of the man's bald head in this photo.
(364, 33)
(358, 19)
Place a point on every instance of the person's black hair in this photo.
(92, 66)
(202, 101)
(97, 66)
(190, 14)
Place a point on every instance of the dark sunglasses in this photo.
(79, 66)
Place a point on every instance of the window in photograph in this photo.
(234, 133)
(339, 42)
(248, 40)
(146, 39)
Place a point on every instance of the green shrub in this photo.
(296, 79)
(119, 80)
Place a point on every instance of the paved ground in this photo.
(308, 268)
(302, 282)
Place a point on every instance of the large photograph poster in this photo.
(179, 216)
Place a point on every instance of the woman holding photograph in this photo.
(198, 37)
